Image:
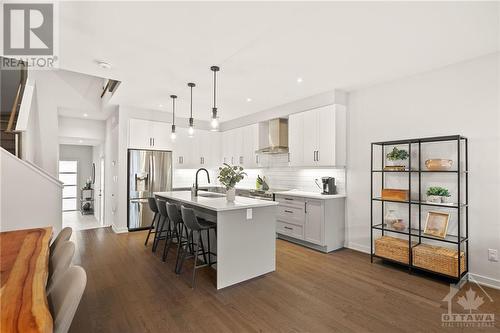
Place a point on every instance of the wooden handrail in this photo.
(14, 110)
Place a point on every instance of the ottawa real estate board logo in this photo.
(29, 34)
(468, 313)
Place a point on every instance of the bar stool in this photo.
(154, 209)
(174, 215)
(195, 225)
(163, 224)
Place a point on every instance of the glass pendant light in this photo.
(191, 120)
(173, 135)
(215, 121)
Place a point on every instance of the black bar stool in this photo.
(195, 225)
(163, 224)
(178, 231)
(154, 209)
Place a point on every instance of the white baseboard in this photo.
(484, 281)
(358, 247)
(118, 230)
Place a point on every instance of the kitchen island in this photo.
(246, 233)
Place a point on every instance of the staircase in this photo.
(13, 81)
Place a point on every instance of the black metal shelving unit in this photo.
(461, 240)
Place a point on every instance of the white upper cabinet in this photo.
(200, 151)
(318, 137)
(145, 134)
(250, 145)
(239, 146)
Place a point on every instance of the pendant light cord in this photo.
(191, 102)
(215, 87)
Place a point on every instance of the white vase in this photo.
(434, 198)
(230, 194)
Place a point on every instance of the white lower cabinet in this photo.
(317, 223)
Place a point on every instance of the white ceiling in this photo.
(155, 48)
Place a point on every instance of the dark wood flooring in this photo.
(129, 289)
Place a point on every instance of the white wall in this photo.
(71, 130)
(458, 99)
(82, 154)
(20, 206)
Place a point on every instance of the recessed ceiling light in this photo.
(160, 105)
(249, 99)
(85, 115)
(299, 80)
(103, 64)
(80, 141)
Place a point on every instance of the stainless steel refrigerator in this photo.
(149, 171)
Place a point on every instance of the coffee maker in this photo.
(329, 185)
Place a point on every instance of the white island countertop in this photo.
(312, 195)
(215, 202)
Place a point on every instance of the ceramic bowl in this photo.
(438, 164)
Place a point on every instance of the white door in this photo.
(101, 193)
(311, 137)
(296, 139)
(326, 141)
(161, 136)
(140, 134)
(314, 226)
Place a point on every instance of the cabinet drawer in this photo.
(291, 214)
(290, 201)
(292, 230)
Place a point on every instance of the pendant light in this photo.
(215, 120)
(173, 135)
(191, 120)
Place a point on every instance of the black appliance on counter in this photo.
(329, 186)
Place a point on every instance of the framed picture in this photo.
(437, 224)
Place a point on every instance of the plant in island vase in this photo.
(396, 158)
(437, 194)
(229, 176)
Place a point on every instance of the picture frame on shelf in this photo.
(436, 224)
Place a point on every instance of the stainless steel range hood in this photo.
(273, 137)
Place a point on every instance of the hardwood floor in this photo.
(131, 290)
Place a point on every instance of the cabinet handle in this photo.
(153, 141)
(317, 155)
(150, 142)
(288, 211)
(256, 159)
(314, 156)
(288, 228)
(241, 159)
(305, 207)
(289, 199)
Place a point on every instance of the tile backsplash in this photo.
(278, 177)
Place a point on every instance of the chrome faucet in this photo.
(196, 183)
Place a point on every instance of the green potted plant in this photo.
(437, 194)
(229, 176)
(396, 157)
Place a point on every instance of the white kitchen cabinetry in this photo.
(316, 223)
(318, 137)
(239, 146)
(145, 134)
(200, 151)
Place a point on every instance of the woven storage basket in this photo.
(438, 259)
(392, 248)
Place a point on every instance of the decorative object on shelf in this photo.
(437, 194)
(215, 119)
(390, 218)
(438, 164)
(436, 224)
(396, 158)
(392, 248)
(229, 176)
(191, 120)
(173, 135)
(399, 225)
(86, 200)
(88, 184)
(394, 168)
(438, 259)
(394, 194)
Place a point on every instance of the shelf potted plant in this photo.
(395, 159)
(229, 176)
(437, 194)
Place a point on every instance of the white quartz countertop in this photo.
(216, 203)
(312, 195)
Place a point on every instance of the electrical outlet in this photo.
(249, 213)
(492, 254)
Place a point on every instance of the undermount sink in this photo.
(210, 194)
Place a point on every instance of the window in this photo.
(68, 174)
